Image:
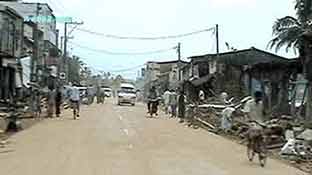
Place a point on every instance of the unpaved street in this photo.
(113, 140)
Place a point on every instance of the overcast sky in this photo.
(243, 24)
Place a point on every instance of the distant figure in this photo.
(90, 92)
(226, 120)
(102, 95)
(51, 103)
(75, 100)
(224, 96)
(151, 96)
(173, 101)
(254, 108)
(36, 103)
(201, 96)
(181, 106)
(166, 98)
(58, 102)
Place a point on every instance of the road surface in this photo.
(114, 140)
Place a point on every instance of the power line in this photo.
(97, 70)
(122, 53)
(127, 69)
(146, 38)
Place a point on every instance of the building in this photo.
(241, 73)
(163, 75)
(10, 52)
(40, 16)
(29, 50)
(40, 13)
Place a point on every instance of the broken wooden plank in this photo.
(205, 123)
(275, 146)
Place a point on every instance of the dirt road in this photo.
(114, 140)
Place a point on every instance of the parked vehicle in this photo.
(126, 94)
(108, 91)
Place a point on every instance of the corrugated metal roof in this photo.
(242, 57)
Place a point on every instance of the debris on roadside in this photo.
(285, 135)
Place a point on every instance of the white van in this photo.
(108, 91)
(126, 94)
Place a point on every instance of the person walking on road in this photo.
(151, 96)
(181, 107)
(51, 103)
(90, 92)
(58, 102)
(75, 101)
(166, 98)
(173, 101)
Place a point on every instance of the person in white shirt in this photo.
(254, 108)
(166, 98)
(75, 100)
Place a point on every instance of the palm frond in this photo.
(285, 23)
(286, 38)
(304, 10)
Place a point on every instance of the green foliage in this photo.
(287, 31)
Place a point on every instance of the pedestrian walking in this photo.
(75, 101)
(51, 102)
(90, 92)
(181, 107)
(151, 96)
(173, 101)
(166, 98)
(58, 102)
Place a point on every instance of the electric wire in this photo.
(122, 53)
(147, 38)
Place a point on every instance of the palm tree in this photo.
(289, 32)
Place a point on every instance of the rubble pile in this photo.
(286, 137)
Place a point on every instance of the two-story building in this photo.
(39, 14)
(10, 51)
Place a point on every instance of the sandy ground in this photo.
(116, 140)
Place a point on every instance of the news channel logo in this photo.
(49, 19)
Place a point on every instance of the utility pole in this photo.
(61, 47)
(65, 65)
(35, 56)
(217, 38)
(179, 61)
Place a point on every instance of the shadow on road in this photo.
(6, 151)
